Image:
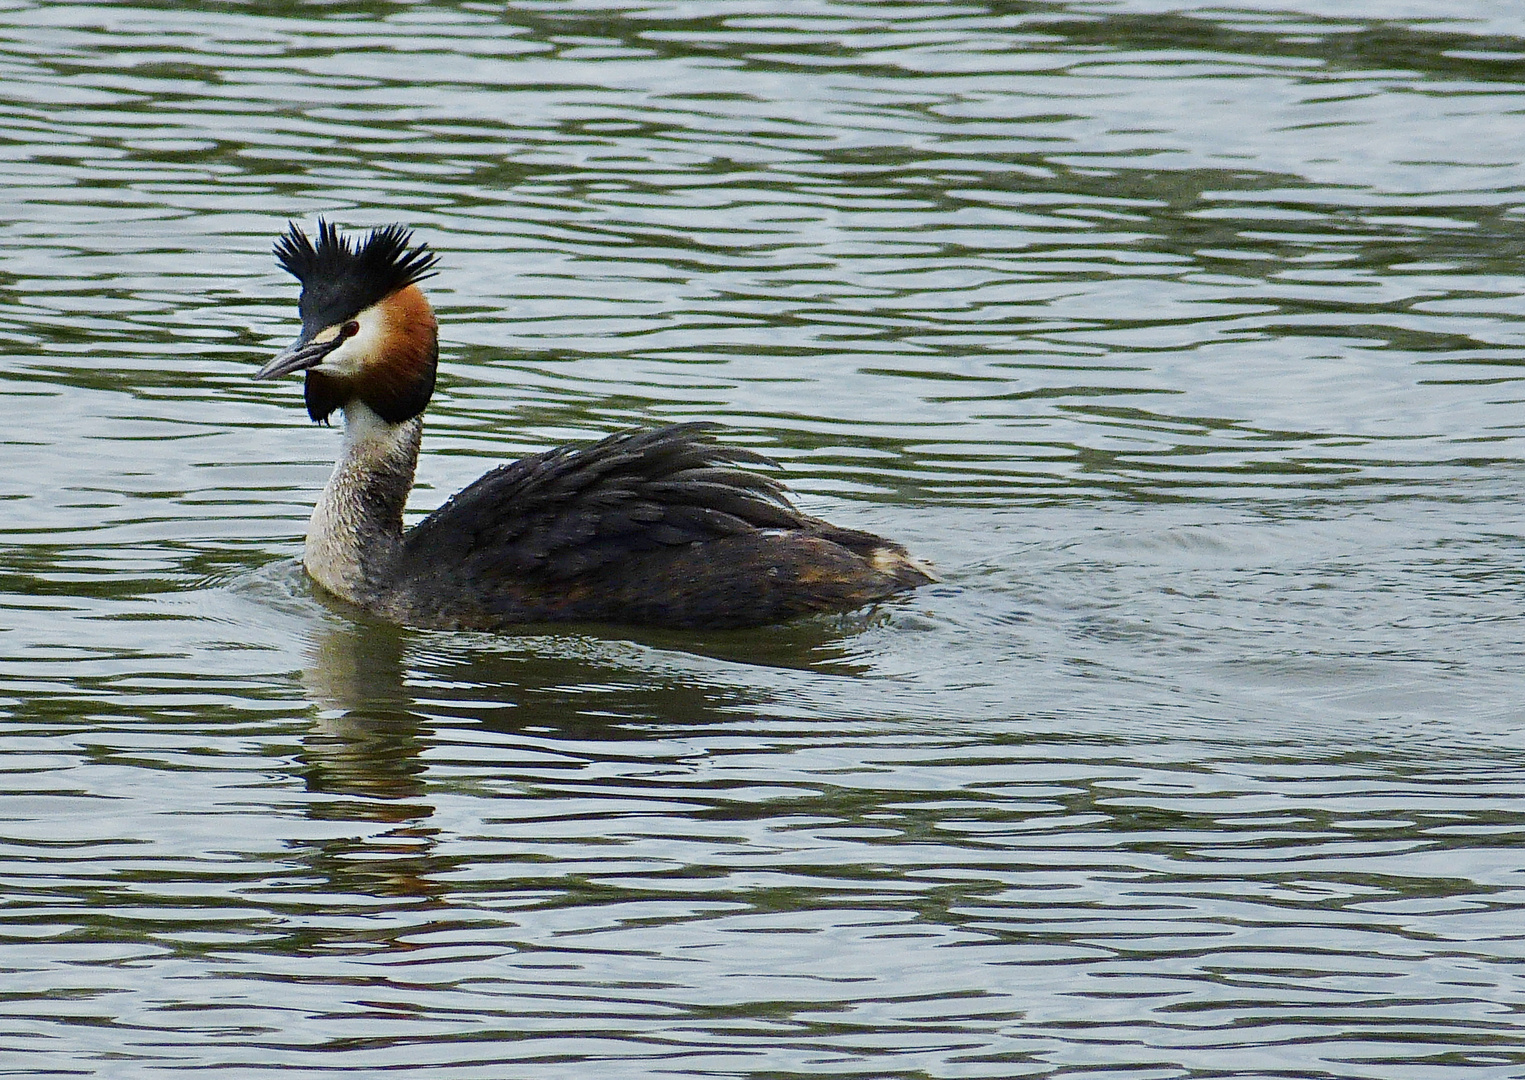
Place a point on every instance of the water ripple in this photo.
(1182, 340)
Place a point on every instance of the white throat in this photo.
(356, 526)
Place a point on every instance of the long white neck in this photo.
(356, 528)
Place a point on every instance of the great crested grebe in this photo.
(646, 528)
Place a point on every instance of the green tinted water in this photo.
(1184, 340)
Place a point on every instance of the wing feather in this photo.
(572, 511)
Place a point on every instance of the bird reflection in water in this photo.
(384, 694)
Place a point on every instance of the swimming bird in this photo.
(644, 528)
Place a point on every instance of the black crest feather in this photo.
(341, 278)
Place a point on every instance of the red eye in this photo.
(349, 329)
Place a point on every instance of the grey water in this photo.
(1186, 339)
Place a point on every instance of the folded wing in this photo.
(573, 511)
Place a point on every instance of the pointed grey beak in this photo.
(300, 355)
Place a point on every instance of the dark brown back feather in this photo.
(571, 512)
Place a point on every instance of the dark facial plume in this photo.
(340, 279)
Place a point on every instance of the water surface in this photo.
(1186, 342)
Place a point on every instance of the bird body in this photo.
(646, 528)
